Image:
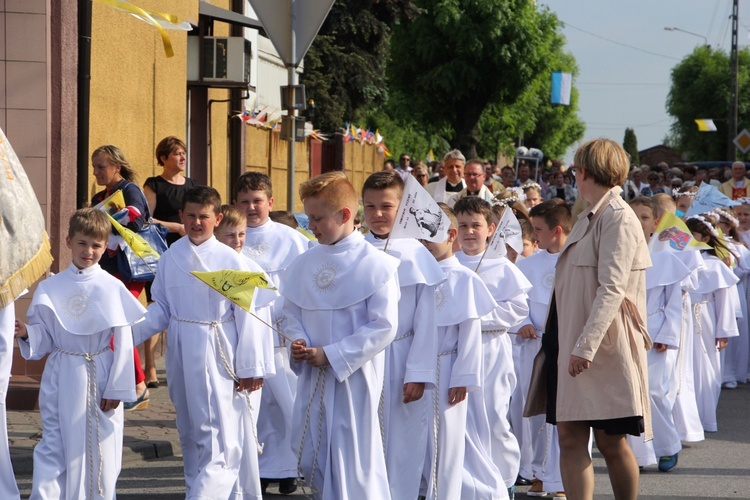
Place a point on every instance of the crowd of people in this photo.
(379, 367)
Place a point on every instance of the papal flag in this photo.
(708, 198)
(237, 286)
(508, 232)
(24, 246)
(673, 235)
(705, 125)
(113, 203)
(419, 216)
(137, 244)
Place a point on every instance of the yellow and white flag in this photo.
(112, 204)
(135, 241)
(673, 235)
(237, 286)
(705, 125)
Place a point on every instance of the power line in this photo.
(620, 43)
(624, 84)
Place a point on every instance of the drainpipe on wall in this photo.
(84, 88)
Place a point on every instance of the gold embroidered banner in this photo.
(24, 247)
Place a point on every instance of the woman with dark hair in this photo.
(114, 172)
(164, 194)
(592, 369)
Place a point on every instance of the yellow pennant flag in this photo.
(135, 241)
(237, 286)
(148, 17)
(705, 125)
(673, 235)
(723, 253)
(112, 204)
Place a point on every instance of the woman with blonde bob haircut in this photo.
(592, 369)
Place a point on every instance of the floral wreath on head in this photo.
(517, 192)
(676, 193)
(726, 215)
(705, 222)
(743, 201)
(531, 185)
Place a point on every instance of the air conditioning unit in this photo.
(225, 59)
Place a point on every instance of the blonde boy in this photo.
(207, 331)
(341, 304)
(72, 317)
(460, 465)
(274, 247)
(508, 286)
(410, 358)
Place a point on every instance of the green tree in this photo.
(700, 89)
(345, 67)
(630, 145)
(456, 57)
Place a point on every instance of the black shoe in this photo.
(288, 486)
(264, 484)
(522, 481)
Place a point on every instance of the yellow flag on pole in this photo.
(135, 241)
(112, 204)
(237, 286)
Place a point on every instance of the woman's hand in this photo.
(721, 344)
(577, 365)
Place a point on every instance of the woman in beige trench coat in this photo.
(592, 369)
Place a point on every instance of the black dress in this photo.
(169, 201)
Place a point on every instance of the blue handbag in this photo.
(134, 268)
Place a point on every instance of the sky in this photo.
(625, 57)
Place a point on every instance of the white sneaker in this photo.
(730, 385)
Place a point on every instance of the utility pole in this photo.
(733, 85)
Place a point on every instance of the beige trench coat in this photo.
(600, 292)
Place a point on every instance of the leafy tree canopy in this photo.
(700, 89)
(630, 145)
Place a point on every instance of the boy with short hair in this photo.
(508, 286)
(410, 358)
(540, 451)
(209, 331)
(459, 465)
(231, 232)
(72, 317)
(342, 312)
(274, 247)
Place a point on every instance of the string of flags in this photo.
(365, 136)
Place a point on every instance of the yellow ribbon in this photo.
(147, 16)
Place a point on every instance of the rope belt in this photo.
(91, 414)
(214, 326)
(659, 310)
(494, 332)
(408, 334)
(320, 382)
(683, 333)
(698, 326)
(436, 419)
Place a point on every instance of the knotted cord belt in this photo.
(436, 419)
(91, 414)
(320, 381)
(381, 404)
(214, 326)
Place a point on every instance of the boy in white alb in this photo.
(552, 223)
(664, 305)
(215, 351)
(410, 358)
(274, 247)
(509, 288)
(8, 486)
(342, 312)
(72, 317)
(458, 462)
(231, 232)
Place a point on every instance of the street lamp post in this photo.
(674, 28)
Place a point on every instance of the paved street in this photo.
(718, 467)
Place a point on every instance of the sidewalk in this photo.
(149, 433)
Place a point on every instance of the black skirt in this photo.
(613, 426)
